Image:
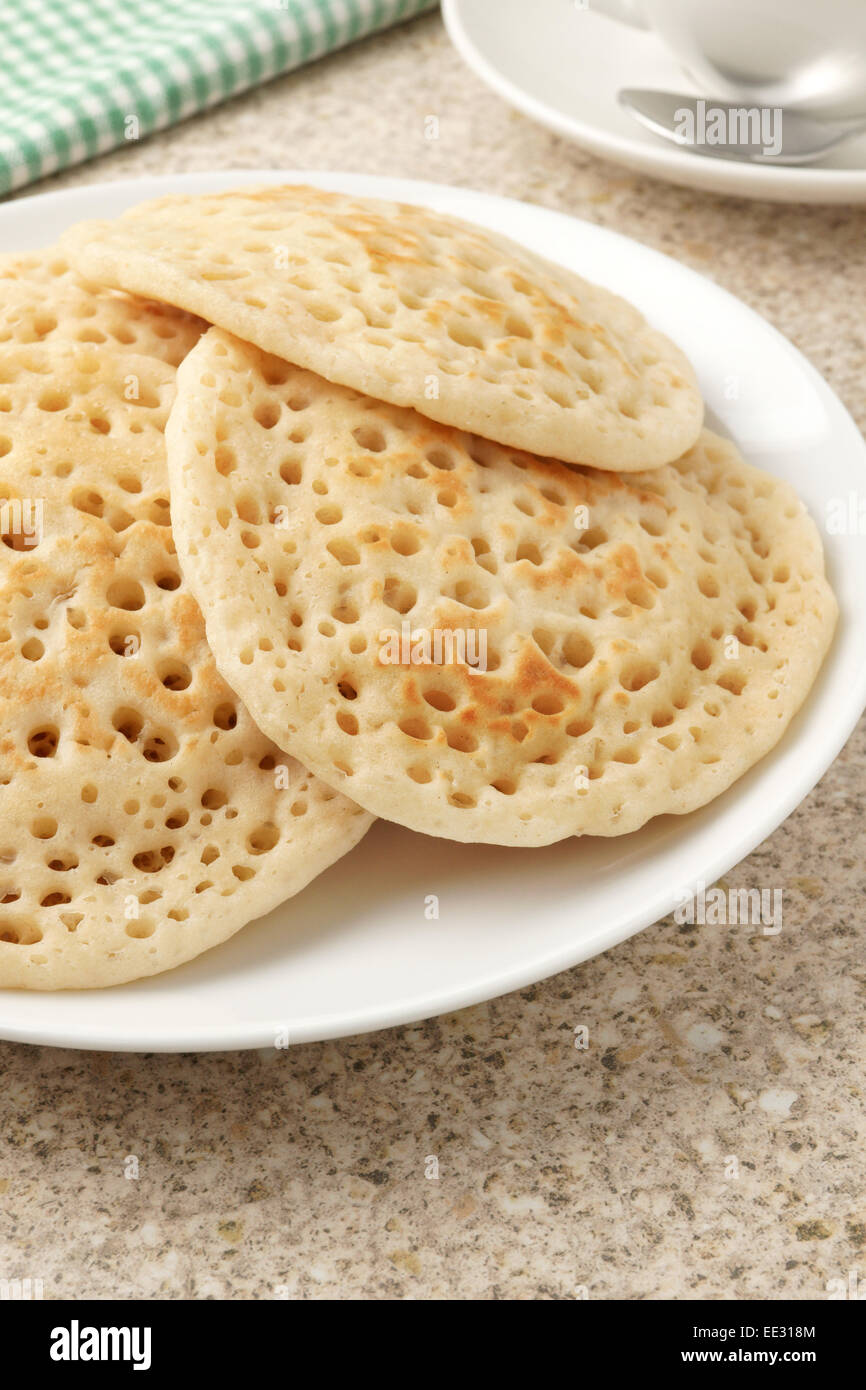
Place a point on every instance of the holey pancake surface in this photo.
(143, 816)
(43, 300)
(645, 639)
(416, 308)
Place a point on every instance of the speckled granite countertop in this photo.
(710, 1144)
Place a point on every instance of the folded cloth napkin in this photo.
(79, 77)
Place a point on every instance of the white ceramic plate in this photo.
(355, 951)
(563, 66)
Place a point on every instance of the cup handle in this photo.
(626, 11)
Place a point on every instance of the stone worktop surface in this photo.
(709, 1142)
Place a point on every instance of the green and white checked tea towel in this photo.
(78, 77)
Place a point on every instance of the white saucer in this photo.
(563, 66)
(356, 950)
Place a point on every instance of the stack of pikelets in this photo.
(397, 424)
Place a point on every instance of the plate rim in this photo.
(731, 178)
(411, 1009)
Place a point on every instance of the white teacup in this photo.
(808, 55)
